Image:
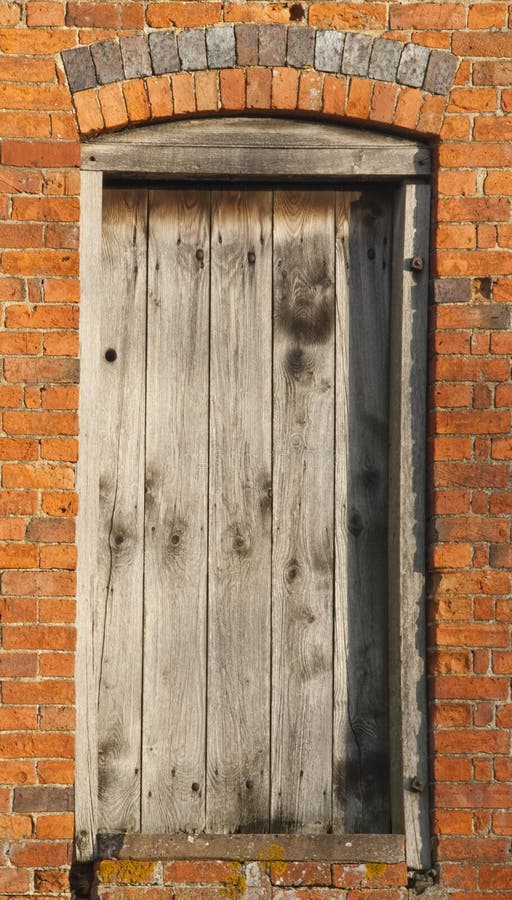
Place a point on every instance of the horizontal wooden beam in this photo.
(344, 848)
(255, 148)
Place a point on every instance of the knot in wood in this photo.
(355, 522)
(251, 257)
(110, 354)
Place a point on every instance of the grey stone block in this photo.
(136, 58)
(220, 47)
(384, 59)
(107, 61)
(246, 45)
(356, 54)
(413, 65)
(440, 71)
(328, 50)
(301, 46)
(164, 52)
(272, 45)
(79, 68)
(192, 48)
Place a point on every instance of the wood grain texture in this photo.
(120, 557)
(86, 787)
(240, 513)
(303, 468)
(408, 693)
(260, 148)
(175, 582)
(362, 340)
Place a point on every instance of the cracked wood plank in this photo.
(303, 461)
(175, 582)
(120, 556)
(240, 512)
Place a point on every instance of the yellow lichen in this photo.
(125, 871)
(235, 885)
(373, 869)
(274, 853)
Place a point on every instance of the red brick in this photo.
(259, 88)
(349, 16)
(285, 88)
(232, 89)
(359, 97)
(160, 97)
(40, 153)
(183, 14)
(183, 93)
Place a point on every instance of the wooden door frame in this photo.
(280, 149)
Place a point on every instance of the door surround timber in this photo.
(285, 150)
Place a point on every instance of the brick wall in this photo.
(470, 609)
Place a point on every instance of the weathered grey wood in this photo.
(175, 581)
(303, 469)
(120, 554)
(407, 524)
(256, 148)
(361, 486)
(345, 750)
(348, 848)
(86, 758)
(240, 513)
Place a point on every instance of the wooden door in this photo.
(240, 581)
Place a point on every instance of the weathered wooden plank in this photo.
(407, 524)
(361, 755)
(175, 580)
(303, 471)
(240, 513)
(349, 848)
(86, 783)
(120, 556)
(227, 161)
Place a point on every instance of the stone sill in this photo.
(343, 848)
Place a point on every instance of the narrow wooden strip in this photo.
(407, 523)
(174, 706)
(240, 513)
(361, 736)
(120, 558)
(349, 848)
(303, 460)
(86, 783)
(225, 161)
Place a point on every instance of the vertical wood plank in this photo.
(86, 782)
(120, 557)
(361, 754)
(175, 601)
(303, 460)
(240, 513)
(407, 524)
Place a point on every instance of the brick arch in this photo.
(256, 69)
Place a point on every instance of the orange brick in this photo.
(199, 872)
(428, 16)
(310, 91)
(15, 827)
(383, 103)
(160, 97)
(359, 96)
(207, 92)
(113, 106)
(232, 89)
(183, 93)
(257, 12)
(431, 115)
(16, 556)
(451, 556)
(487, 16)
(285, 88)
(408, 107)
(40, 154)
(455, 236)
(60, 503)
(38, 476)
(472, 100)
(63, 557)
(55, 771)
(183, 14)
(65, 449)
(61, 343)
(136, 99)
(39, 584)
(349, 16)
(24, 124)
(55, 826)
(57, 665)
(38, 43)
(90, 118)
(9, 14)
(61, 291)
(259, 88)
(40, 262)
(335, 95)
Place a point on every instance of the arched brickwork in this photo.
(255, 69)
